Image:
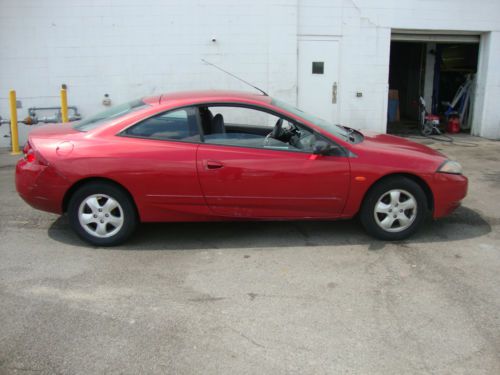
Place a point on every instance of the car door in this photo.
(243, 174)
(158, 166)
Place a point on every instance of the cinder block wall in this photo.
(131, 48)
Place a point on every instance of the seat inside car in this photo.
(206, 117)
(217, 125)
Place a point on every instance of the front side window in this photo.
(336, 130)
(249, 127)
(177, 125)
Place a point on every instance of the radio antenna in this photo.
(232, 75)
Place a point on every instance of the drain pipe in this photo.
(56, 118)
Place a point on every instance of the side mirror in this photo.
(321, 148)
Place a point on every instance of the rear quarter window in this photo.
(112, 113)
(177, 125)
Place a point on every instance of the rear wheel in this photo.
(102, 214)
(394, 209)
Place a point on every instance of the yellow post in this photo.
(14, 136)
(64, 105)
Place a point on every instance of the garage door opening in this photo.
(441, 71)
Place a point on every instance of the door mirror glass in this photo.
(321, 148)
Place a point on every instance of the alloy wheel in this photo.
(101, 215)
(395, 210)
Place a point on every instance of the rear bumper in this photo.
(449, 190)
(40, 186)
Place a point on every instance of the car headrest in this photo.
(218, 124)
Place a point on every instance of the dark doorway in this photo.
(407, 68)
(451, 66)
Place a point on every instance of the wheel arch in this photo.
(69, 193)
(419, 180)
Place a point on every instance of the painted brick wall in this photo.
(130, 48)
(134, 48)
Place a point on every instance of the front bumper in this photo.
(449, 190)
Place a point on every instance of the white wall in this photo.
(130, 48)
(134, 48)
(486, 111)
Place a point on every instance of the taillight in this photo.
(29, 153)
(32, 156)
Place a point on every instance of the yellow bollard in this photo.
(64, 105)
(14, 136)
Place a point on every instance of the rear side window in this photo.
(177, 125)
(115, 112)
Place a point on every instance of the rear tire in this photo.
(102, 214)
(394, 209)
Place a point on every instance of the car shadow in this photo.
(464, 223)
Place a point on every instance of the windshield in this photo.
(337, 130)
(94, 121)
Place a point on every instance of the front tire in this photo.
(394, 209)
(102, 214)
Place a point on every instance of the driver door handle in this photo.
(213, 164)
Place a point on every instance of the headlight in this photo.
(450, 166)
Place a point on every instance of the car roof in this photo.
(207, 96)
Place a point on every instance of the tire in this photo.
(102, 214)
(394, 209)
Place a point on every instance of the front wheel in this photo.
(102, 214)
(394, 209)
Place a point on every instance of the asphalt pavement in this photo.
(256, 297)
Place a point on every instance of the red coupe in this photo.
(218, 155)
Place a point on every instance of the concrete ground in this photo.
(256, 298)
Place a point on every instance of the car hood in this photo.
(386, 143)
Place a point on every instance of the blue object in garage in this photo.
(392, 110)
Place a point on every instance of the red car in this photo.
(219, 155)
